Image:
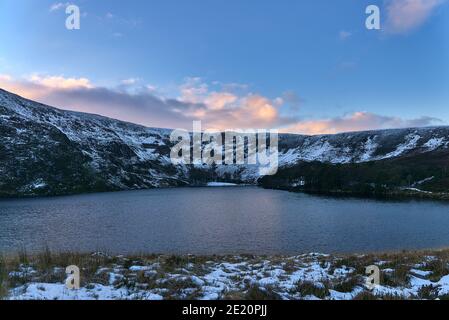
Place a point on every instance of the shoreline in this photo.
(391, 195)
(422, 274)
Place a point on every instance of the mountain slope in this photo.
(47, 151)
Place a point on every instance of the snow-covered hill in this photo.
(45, 150)
(362, 146)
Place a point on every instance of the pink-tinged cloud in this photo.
(219, 110)
(358, 121)
(38, 87)
(404, 16)
(59, 82)
(5, 77)
(219, 100)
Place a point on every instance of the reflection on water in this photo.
(219, 221)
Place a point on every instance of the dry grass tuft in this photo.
(308, 288)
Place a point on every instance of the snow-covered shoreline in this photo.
(414, 275)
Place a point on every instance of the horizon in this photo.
(301, 68)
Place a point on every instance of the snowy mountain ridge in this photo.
(46, 150)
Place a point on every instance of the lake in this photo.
(224, 220)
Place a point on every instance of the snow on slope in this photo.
(362, 146)
(133, 156)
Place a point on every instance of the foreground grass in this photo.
(405, 275)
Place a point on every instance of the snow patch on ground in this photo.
(434, 143)
(221, 184)
(56, 291)
(369, 148)
(309, 276)
(409, 144)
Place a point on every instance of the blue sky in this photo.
(302, 66)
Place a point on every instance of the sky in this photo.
(300, 66)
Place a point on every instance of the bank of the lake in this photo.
(403, 275)
(385, 195)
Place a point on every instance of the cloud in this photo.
(219, 100)
(230, 107)
(39, 87)
(59, 5)
(151, 88)
(139, 104)
(358, 121)
(344, 35)
(216, 107)
(59, 82)
(113, 18)
(5, 77)
(404, 16)
(193, 90)
(130, 81)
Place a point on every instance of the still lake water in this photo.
(220, 221)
